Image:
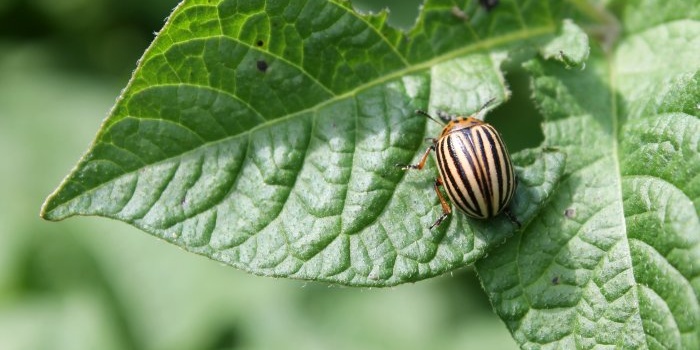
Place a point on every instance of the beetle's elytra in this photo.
(474, 167)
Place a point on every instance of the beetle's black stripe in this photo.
(505, 168)
(485, 168)
(476, 151)
(500, 193)
(448, 176)
(472, 179)
(458, 175)
(496, 169)
(445, 149)
(511, 177)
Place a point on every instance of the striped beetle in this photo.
(474, 166)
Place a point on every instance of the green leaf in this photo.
(264, 134)
(614, 259)
(573, 41)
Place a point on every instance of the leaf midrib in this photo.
(615, 125)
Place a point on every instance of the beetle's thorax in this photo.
(460, 123)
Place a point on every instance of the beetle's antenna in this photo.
(488, 103)
(425, 114)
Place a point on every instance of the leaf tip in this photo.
(46, 211)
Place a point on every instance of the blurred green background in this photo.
(91, 283)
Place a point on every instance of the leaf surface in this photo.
(264, 134)
(614, 259)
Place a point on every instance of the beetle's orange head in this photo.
(460, 123)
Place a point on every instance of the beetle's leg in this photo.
(421, 163)
(445, 207)
(512, 217)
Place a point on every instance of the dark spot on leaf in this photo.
(488, 4)
(260, 43)
(262, 66)
(570, 213)
(555, 280)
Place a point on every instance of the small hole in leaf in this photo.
(262, 66)
(518, 120)
(260, 43)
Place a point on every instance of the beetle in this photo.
(473, 165)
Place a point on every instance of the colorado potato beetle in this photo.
(473, 165)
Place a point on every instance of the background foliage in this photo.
(91, 283)
(612, 260)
